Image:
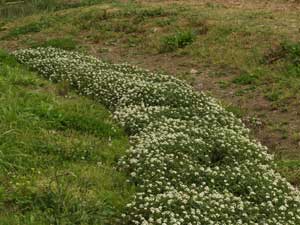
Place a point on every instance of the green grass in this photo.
(234, 46)
(179, 40)
(245, 79)
(66, 43)
(289, 53)
(33, 27)
(58, 153)
(290, 168)
(29, 7)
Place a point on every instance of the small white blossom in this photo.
(193, 162)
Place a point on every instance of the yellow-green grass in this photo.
(58, 154)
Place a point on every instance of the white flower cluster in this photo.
(192, 161)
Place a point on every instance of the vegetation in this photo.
(289, 53)
(192, 161)
(33, 27)
(65, 43)
(11, 9)
(179, 40)
(245, 53)
(58, 154)
(230, 54)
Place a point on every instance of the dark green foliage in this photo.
(289, 53)
(293, 57)
(293, 52)
(273, 95)
(179, 40)
(7, 59)
(63, 43)
(245, 79)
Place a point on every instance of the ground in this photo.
(244, 53)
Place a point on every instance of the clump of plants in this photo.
(33, 27)
(65, 43)
(192, 161)
(179, 40)
(289, 53)
(293, 57)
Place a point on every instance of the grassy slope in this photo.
(12, 9)
(225, 57)
(57, 154)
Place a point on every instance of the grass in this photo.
(291, 170)
(33, 27)
(233, 53)
(58, 153)
(245, 79)
(66, 43)
(29, 7)
(289, 54)
(179, 40)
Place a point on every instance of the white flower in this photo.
(193, 162)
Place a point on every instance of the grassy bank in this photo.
(58, 153)
(192, 161)
(11, 9)
(244, 53)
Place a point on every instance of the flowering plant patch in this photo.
(192, 161)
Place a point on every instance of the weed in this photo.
(124, 26)
(237, 111)
(60, 206)
(224, 84)
(293, 51)
(291, 170)
(164, 21)
(222, 33)
(198, 23)
(155, 12)
(142, 13)
(29, 7)
(245, 79)
(33, 27)
(91, 19)
(289, 52)
(179, 40)
(293, 57)
(66, 43)
(214, 5)
(2, 28)
(296, 137)
(273, 95)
